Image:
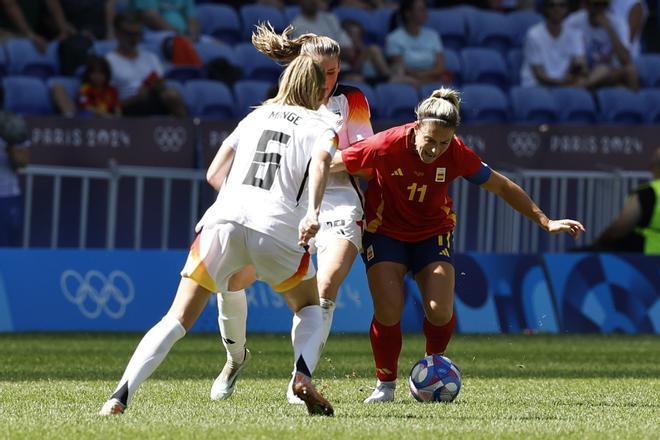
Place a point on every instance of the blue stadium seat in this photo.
(102, 47)
(219, 21)
(381, 24)
(176, 85)
(451, 25)
(396, 101)
(209, 98)
(4, 62)
(648, 66)
(575, 105)
(208, 51)
(183, 73)
(533, 105)
(514, 61)
(369, 93)
(252, 14)
(483, 103)
(26, 95)
(290, 12)
(256, 65)
(488, 29)
(70, 83)
(481, 65)
(620, 106)
(25, 59)
(652, 101)
(249, 93)
(453, 64)
(519, 22)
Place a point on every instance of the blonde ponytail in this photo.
(442, 106)
(302, 83)
(283, 49)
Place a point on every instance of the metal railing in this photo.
(484, 222)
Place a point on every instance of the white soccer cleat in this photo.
(384, 392)
(111, 407)
(291, 396)
(224, 384)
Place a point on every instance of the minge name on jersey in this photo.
(289, 116)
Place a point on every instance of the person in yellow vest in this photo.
(637, 228)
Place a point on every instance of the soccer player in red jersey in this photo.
(410, 223)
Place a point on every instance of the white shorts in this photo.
(343, 227)
(220, 250)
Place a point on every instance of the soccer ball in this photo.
(434, 378)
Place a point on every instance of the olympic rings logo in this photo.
(524, 143)
(170, 139)
(95, 293)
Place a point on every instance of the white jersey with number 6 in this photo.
(266, 189)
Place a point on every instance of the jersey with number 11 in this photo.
(266, 189)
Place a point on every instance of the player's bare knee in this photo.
(439, 315)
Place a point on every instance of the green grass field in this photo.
(52, 385)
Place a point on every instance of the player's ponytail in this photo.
(442, 106)
(302, 83)
(283, 49)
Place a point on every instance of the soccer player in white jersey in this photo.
(262, 220)
(341, 215)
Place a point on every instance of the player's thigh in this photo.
(335, 260)
(386, 284)
(302, 295)
(190, 300)
(436, 285)
(242, 279)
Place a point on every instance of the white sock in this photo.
(232, 321)
(306, 337)
(327, 310)
(148, 355)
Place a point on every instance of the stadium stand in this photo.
(3, 61)
(256, 65)
(208, 51)
(183, 73)
(220, 21)
(483, 103)
(575, 105)
(209, 98)
(70, 83)
(488, 29)
(620, 106)
(26, 95)
(249, 93)
(652, 104)
(453, 65)
(514, 61)
(24, 59)
(519, 22)
(451, 25)
(648, 66)
(396, 101)
(481, 65)
(252, 14)
(533, 105)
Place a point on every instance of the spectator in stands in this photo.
(413, 50)
(367, 63)
(13, 155)
(637, 228)
(170, 15)
(553, 53)
(137, 74)
(635, 13)
(38, 20)
(96, 95)
(90, 17)
(312, 19)
(606, 44)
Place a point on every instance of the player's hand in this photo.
(307, 229)
(572, 227)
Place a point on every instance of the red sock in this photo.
(386, 346)
(438, 336)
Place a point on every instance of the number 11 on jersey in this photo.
(413, 189)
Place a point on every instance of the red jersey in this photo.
(105, 100)
(408, 199)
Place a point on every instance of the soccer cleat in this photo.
(291, 396)
(384, 392)
(317, 405)
(111, 407)
(224, 384)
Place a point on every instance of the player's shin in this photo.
(232, 320)
(386, 342)
(438, 336)
(327, 311)
(150, 352)
(307, 337)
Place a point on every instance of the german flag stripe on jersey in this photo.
(297, 277)
(195, 269)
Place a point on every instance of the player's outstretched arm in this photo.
(518, 199)
(220, 166)
(337, 163)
